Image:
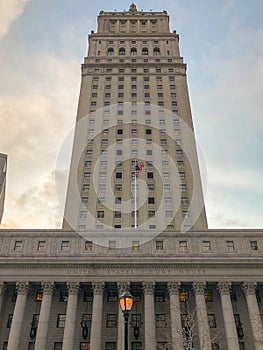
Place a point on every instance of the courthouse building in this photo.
(193, 288)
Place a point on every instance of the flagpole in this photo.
(135, 198)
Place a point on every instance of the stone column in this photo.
(122, 287)
(18, 315)
(201, 313)
(175, 312)
(2, 294)
(229, 321)
(149, 316)
(42, 329)
(70, 323)
(254, 314)
(96, 325)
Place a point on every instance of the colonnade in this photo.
(224, 288)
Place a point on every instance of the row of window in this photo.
(134, 70)
(134, 60)
(159, 79)
(120, 152)
(134, 42)
(133, 87)
(183, 244)
(133, 95)
(133, 51)
(118, 187)
(104, 165)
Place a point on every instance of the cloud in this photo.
(34, 122)
(36, 208)
(10, 10)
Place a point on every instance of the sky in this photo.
(42, 45)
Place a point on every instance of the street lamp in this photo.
(126, 302)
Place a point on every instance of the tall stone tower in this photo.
(134, 107)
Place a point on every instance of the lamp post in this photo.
(126, 302)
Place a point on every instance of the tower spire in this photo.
(133, 7)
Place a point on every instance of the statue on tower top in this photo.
(133, 8)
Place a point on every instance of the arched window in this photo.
(110, 51)
(156, 51)
(122, 51)
(145, 51)
(133, 51)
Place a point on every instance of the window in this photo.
(110, 346)
(118, 187)
(254, 245)
(84, 346)
(18, 247)
(182, 175)
(168, 214)
(160, 103)
(63, 295)
(215, 346)
(165, 164)
(206, 246)
(150, 175)
(122, 51)
(151, 213)
(166, 187)
(180, 163)
(184, 201)
(136, 246)
(88, 164)
(100, 214)
(160, 295)
(117, 214)
(150, 187)
(136, 345)
(57, 346)
(41, 246)
(88, 295)
(111, 320)
(211, 320)
(159, 245)
(65, 246)
(83, 214)
(103, 164)
(9, 320)
(145, 51)
(230, 246)
(5, 343)
(208, 295)
(186, 214)
(161, 321)
(118, 175)
(163, 142)
(117, 200)
(151, 200)
(166, 176)
(183, 297)
(167, 200)
(39, 295)
(61, 320)
(183, 246)
(85, 188)
(88, 246)
(119, 152)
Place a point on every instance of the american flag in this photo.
(138, 168)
